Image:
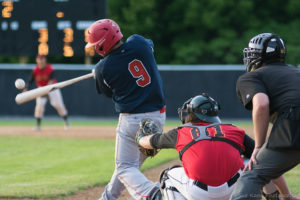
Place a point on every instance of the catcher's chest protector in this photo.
(201, 133)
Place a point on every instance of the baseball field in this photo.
(72, 164)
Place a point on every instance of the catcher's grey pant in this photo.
(271, 164)
(128, 159)
(56, 101)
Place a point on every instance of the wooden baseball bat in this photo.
(41, 91)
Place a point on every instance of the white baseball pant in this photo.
(56, 101)
(128, 159)
(187, 190)
(190, 191)
(169, 192)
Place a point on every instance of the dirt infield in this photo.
(100, 132)
(106, 132)
(97, 132)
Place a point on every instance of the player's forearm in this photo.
(51, 77)
(261, 124)
(145, 142)
(30, 81)
(260, 116)
(160, 141)
(50, 82)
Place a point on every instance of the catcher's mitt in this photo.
(147, 127)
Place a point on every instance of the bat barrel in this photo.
(41, 91)
(32, 94)
(21, 98)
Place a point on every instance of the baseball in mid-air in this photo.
(20, 84)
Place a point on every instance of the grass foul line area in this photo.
(51, 167)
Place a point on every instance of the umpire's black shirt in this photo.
(281, 83)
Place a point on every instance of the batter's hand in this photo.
(252, 159)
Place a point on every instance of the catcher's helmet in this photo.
(203, 107)
(103, 34)
(263, 48)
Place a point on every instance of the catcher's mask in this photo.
(203, 106)
(263, 48)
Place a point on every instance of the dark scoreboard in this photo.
(48, 27)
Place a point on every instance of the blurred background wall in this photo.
(180, 83)
(195, 42)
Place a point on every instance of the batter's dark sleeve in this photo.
(102, 87)
(247, 86)
(151, 44)
(165, 141)
(30, 81)
(249, 146)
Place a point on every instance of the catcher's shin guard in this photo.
(169, 192)
(270, 192)
(271, 196)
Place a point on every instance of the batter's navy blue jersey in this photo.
(130, 76)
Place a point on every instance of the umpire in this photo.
(271, 89)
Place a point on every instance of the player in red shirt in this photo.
(43, 74)
(210, 152)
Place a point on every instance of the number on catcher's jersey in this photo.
(138, 70)
(215, 131)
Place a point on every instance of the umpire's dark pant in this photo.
(271, 164)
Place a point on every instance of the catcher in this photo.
(209, 151)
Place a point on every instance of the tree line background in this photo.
(208, 31)
(205, 31)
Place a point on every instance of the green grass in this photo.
(50, 167)
(293, 179)
(40, 167)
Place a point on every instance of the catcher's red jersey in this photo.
(42, 76)
(211, 162)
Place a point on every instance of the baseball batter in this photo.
(209, 151)
(43, 74)
(128, 74)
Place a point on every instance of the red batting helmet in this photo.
(103, 34)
